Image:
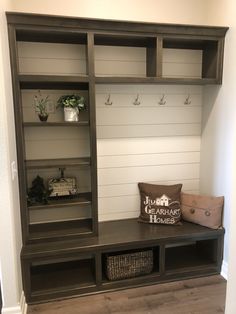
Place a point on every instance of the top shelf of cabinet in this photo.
(56, 163)
(154, 40)
(154, 80)
(53, 124)
(53, 82)
(74, 83)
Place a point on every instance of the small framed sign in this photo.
(62, 186)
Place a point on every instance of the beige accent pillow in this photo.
(160, 204)
(202, 210)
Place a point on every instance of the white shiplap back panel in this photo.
(151, 142)
(148, 130)
(148, 119)
(118, 190)
(120, 61)
(70, 59)
(122, 163)
(147, 173)
(140, 160)
(130, 61)
(52, 58)
(46, 143)
(130, 146)
(182, 63)
(143, 116)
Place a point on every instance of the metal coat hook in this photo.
(162, 101)
(108, 102)
(136, 101)
(187, 100)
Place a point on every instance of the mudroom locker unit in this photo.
(142, 84)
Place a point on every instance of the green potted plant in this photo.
(72, 105)
(40, 104)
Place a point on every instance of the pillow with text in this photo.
(160, 204)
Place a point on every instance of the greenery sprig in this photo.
(40, 104)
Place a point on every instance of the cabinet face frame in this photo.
(154, 37)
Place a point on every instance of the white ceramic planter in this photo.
(71, 114)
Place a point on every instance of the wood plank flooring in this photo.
(193, 296)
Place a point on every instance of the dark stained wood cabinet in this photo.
(66, 256)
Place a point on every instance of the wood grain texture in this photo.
(193, 296)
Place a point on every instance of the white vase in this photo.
(71, 114)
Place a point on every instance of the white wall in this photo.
(10, 234)
(163, 11)
(218, 175)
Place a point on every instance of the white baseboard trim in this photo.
(11, 310)
(224, 270)
(19, 309)
(23, 304)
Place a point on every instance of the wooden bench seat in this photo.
(77, 267)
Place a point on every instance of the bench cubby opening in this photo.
(190, 254)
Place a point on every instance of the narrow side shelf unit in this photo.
(64, 246)
(62, 269)
(44, 148)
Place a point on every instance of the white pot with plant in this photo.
(41, 106)
(72, 105)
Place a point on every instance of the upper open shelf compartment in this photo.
(125, 55)
(122, 52)
(157, 59)
(47, 51)
(202, 56)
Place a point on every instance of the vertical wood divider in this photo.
(151, 60)
(19, 131)
(220, 60)
(162, 258)
(159, 52)
(98, 268)
(93, 139)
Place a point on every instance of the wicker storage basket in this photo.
(129, 265)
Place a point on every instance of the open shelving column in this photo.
(30, 130)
